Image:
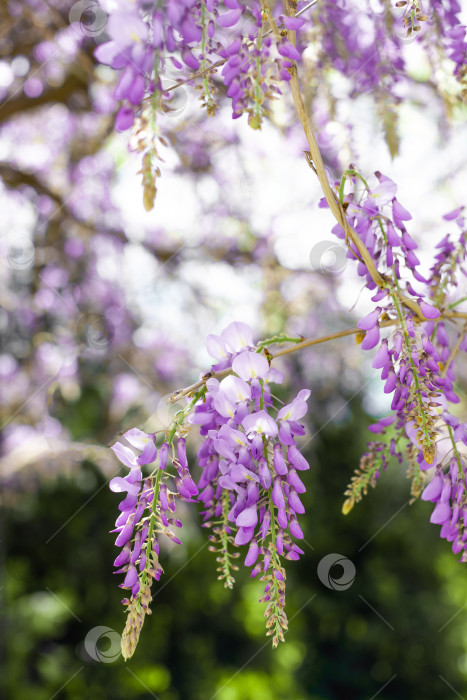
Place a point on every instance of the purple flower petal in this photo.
(119, 485)
(265, 524)
(248, 518)
(244, 535)
(125, 534)
(237, 336)
(368, 322)
(264, 473)
(131, 577)
(295, 529)
(371, 339)
(149, 453)
(124, 118)
(229, 19)
(279, 462)
(124, 454)
(432, 492)
(399, 212)
(292, 23)
(277, 494)
(235, 389)
(294, 480)
(382, 357)
(441, 513)
(296, 458)
(288, 51)
(429, 311)
(249, 365)
(252, 555)
(295, 503)
(260, 423)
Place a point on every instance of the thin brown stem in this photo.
(454, 314)
(177, 395)
(317, 341)
(309, 342)
(269, 16)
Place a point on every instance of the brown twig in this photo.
(454, 314)
(272, 355)
(309, 342)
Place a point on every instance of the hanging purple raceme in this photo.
(190, 37)
(195, 36)
(447, 489)
(250, 484)
(147, 512)
(453, 36)
(252, 47)
(415, 358)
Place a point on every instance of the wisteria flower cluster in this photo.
(416, 359)
(147, 512)
(250, 488)
(249, 48)
(249, 485)
(193, 37)
(196, 35)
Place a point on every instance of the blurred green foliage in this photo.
(397, 632)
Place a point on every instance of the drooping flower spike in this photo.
(249, 485)
(147, 513)
(249, 457)
(415, 359)
(249, 488)
(252, 46)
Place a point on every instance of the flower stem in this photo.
(210, 106)
(343, 181)
(427, 442)
(456, 303)
(152, 519)
(456, 451)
